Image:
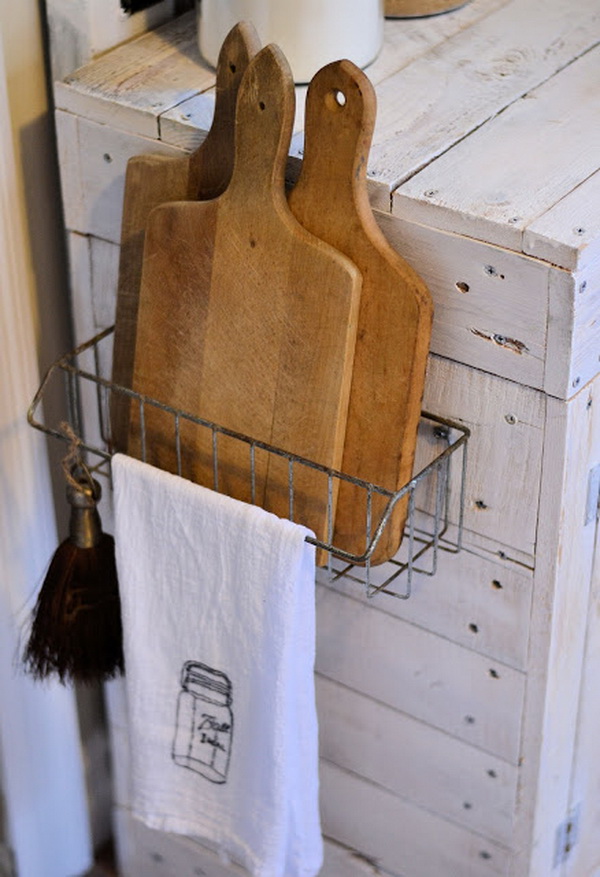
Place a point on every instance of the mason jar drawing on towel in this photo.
(204, 724)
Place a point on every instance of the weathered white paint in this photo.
(401, 46)
(481, 316)
(448, 686)
(586, 358)
(185, 125)
(415, 36)
(572, 329)
(513, 169)
(507, 423)
(130, 87)
(558, 625)
(417, 762)
(568, 234)
(585, 787)
(477, 600)
(143, 851)
(93, 173)
(404, 839)
(441, 97)
(79, 29)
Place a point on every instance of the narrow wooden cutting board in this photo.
(156, 179)
(330, 200)
(248, 320)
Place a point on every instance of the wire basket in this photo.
(435, 494)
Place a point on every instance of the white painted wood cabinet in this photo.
(459, 727)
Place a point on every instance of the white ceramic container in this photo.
(311, 33)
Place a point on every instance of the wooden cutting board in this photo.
(248, 320)
(156, 179)
(330, 200)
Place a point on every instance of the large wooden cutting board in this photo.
(330, 199)
(156, 179)
(248, 320)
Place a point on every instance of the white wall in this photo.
(42, 765)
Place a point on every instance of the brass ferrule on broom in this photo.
(85, 528)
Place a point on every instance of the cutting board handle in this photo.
(210, 164)
(395, 310)
(341, 108)
(263, 129)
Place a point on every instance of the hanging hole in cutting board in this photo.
(335, 99)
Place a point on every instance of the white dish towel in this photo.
(218, 607)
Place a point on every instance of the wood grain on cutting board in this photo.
(330, 199)
(156, 179)
(249, 320)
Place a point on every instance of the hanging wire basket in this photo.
(435, 495)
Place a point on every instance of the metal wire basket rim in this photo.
(64, 362)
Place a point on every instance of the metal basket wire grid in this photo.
(435, 494)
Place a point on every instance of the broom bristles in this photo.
(76, 631)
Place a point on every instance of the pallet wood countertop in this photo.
(486, 129)
(480, 691)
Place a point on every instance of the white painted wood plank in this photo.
(88, 91)
(104, 258)
(131, 86)
(85, 327)
(452, 688)
(585, 362)
(568, 234)
(490, 305)
(67, 141)
(573, 329)
(402, 838)
(78, 248)
(344, 861)
(120, 765)
(93, 159)
(109, 26)
(143, 852)
(480, 602)
(79, 29)
(517, 166)
(505, 449)
(449, 92)
(403, 42)
(585, 790)
(185, 126)
(560, 606)
(490, 549)
(561, 319)
(407, 39)
(417, 762)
